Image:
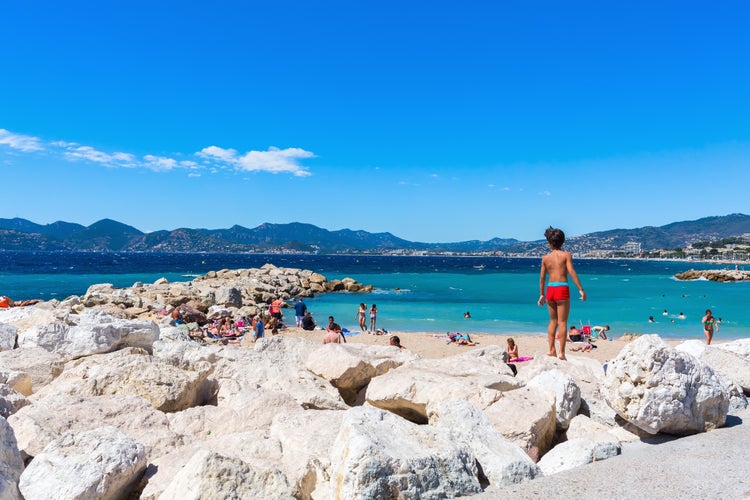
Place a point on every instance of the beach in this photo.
(432, 345)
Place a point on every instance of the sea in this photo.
(426, 293)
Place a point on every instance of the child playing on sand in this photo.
(558, 265)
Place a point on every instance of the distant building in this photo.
(631, 247)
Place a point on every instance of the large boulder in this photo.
(134, 372)
(575, 453)
(501, 462)
(588, 375)
(350, 367)
(100, 463)
(209, 475)
(40, 423)
(11, 464)
(660, 389)
(41, 366)
(90, 332)
(480, 377)
(527, 417)
(566, 391)
(380, 455)
(731, 365)
(18, 381)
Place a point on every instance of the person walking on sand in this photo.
(373, 317)
(558, 265)
(709, 325)
(300, 308)
(360, 316)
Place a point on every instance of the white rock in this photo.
(582, 426)
(527, 417)
(11, 401)
(100, 463)
(7, 337)
(575, 453)
(739, 346)
(209, 475)
(41, 366)
(11, 464)
(91, 332)
(380, 455)
(661, 389)
(479, 376)
(44, 421)
(133, 372)
(350, 367)
(566, 391)
(733, 366)
(501, 462)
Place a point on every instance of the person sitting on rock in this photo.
(512, 349)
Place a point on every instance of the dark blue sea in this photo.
(424, 293)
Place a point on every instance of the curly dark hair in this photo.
(555, 237)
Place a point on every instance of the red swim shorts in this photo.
(558, 293)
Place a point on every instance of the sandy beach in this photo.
(436, 345)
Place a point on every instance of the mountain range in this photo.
(110, 235)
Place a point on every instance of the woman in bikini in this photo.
(361, 313)
(709, 325)
(373, 317)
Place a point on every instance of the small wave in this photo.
(190, 275)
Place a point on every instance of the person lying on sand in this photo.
(6, 302)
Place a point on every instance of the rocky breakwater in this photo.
(101, 407)
(246, 292)
(714, 275)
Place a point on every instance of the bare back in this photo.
(557, 264)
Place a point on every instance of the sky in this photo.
(434, 121)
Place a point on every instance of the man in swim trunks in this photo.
(558, 265)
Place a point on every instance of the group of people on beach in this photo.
(361, 316)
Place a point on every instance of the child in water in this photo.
(558, 265)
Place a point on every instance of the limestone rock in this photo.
(45, 420)
(41, 366)
(733, 366)
(582, 426)
(501, 462)
(211, 476)
(566, 391)
(380, 455)
(478, 376)
(11, 464)
(100, 463)
(7, 337)
(661, 389)
(10, 401)
(575, 453)
(18, 381)
(91, 332)
(133, 372)
(527, 417)
(350, 367)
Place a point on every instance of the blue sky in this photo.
(435, 121)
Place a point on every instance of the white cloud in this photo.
(275, 161)
(25, 143)
(159, 163)
(545, 193)
(212, 158)
(74, 152)
(217, 153)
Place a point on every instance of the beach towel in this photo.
(522, 359)
(348, 333)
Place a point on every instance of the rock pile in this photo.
(102, 407)
(714, 275)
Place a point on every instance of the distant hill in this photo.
(110, 235)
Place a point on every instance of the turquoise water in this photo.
(425, 293)
(504, 303)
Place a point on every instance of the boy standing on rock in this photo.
(558, 265)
